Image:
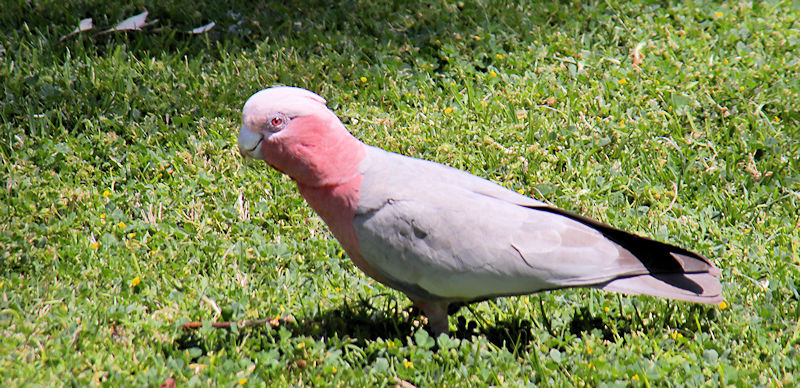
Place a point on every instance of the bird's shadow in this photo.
(361, 323)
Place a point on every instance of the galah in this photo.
(445, 237)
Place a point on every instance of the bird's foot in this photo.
(436, 312)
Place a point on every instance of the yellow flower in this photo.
(408, 364)
(588, 349)
(363, 79)
(95, 245)
(521, 191)
(121, 225)
(492, 74)
(243, 380)
(777, 119)
(499, 56)
(106, 194)
(741, 88)
(623, 81)
(301, 345)
(2, 284)
(718, 14)
(131, 235)
(135, 282)
(722, 305)
(725, 60)
(635, 377)
(333, 369)
(448, 110)
(606, 309)
(103, 216)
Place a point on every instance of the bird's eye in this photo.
(276, 121)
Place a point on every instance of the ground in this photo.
(128, 212)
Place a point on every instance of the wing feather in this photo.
(440, 233)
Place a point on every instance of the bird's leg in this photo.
(436, 312)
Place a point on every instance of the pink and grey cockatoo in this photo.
(445, 237)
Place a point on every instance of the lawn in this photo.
(127, 210)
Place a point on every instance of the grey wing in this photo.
(438, 233)
(447, 242)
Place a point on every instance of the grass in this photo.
(127, 211)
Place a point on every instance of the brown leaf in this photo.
(132, 23)
(202, 29)
(83, 25)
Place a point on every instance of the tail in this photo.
(674, 272)
(698, 283)
(694, 287)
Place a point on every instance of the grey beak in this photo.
(250, 143)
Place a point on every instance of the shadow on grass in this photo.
(242, 25)
(308, 43)
(360, 323)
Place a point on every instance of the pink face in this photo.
(269, 111)
(256, 129)
(296, 134)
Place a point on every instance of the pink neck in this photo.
(318, 153)
(337, 206)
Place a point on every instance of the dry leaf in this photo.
(83, 25)
(202, 29)
(131, 23)
(636, 55)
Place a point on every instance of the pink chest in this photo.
(337, 206)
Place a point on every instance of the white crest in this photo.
(291, 101)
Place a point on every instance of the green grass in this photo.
(119, 162)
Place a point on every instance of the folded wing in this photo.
(438, 233)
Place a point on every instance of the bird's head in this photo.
(294, 132)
